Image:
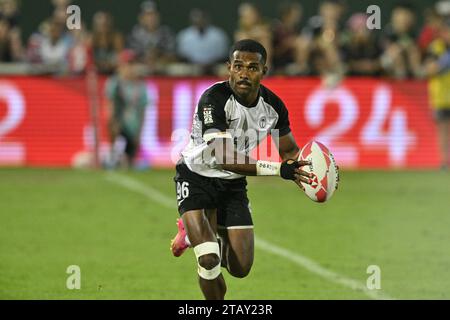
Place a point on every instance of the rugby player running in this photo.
(232, 117)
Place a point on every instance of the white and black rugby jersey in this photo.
(219, 111)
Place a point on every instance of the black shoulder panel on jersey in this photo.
(219, 93)
(283, 114)
(211, 106)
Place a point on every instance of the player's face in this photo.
(246, 71)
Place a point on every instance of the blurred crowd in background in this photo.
(297, 45)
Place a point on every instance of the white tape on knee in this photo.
(204, 249)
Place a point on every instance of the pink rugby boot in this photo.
(178, 244)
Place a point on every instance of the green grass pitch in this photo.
(53, 218)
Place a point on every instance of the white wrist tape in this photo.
(267, 168)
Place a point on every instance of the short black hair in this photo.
(249, 45)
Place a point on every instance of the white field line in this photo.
(317, 269)
(139, 187)
(302, 261)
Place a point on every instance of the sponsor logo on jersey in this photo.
(207, 114)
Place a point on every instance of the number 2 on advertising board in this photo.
(11, 152)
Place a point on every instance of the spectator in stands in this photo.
(430, 31)
(286, 36)
(51, 48)
(251, 25)
(79, 56)
(11, 48)
(9, 10)
(61, 4)
(401, 56)
(10, 43)
(153, 43)
(437, 67)
(361, 48)
(202, 43)
(321, 40)
(106, 42)
(127, 97)
(59, 13)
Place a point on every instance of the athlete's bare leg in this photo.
(237, 250)
(211, 214)
(199, 230)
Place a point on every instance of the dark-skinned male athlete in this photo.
(210, 175)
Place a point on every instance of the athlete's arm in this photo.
(287, 147)
(231, 160)
(211, 114)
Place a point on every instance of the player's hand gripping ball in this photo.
(325, 172)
